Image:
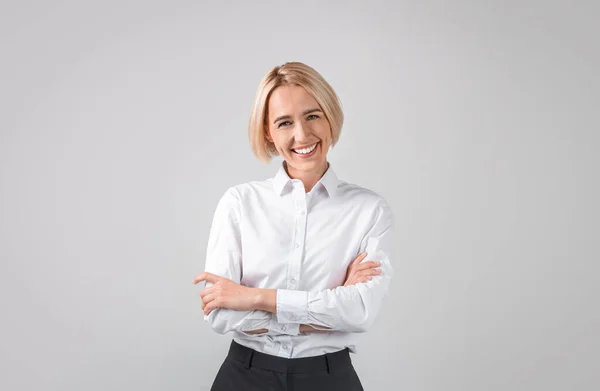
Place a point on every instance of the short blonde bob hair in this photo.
(302, 75)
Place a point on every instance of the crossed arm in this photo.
(230, 306)
(227, 294)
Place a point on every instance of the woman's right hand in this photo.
(361, 272)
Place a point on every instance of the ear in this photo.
(268, 136)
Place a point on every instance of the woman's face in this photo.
(298, 128)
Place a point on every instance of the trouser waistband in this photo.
(327, 362)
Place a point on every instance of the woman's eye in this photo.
(313, 115)
(283, 123)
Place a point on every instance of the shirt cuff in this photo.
(287, 329)
(255, 324)
(292, 306)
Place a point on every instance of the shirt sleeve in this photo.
(347, 308)
(224, 259)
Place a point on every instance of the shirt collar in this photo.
(329, 180)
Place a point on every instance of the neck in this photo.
(308, 178)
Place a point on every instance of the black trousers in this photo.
(245, 369)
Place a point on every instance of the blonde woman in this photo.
(297, 265)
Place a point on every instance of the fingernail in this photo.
(379, 263)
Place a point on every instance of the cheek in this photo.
(281, 143)
(324, 132)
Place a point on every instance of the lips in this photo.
(307, 155)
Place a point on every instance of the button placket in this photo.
(299, 236)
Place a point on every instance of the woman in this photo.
(297, 265)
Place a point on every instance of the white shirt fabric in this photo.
(272, 234)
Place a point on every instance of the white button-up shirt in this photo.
(272, 234)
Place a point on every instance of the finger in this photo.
(356, 261)
(206, 276)
(208, 298)
(206, 291)
(211, 306)
(368, 265)
(359, 258)
(205, 300)
(369, 272)
(364, 279)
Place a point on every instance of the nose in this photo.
(300, 133)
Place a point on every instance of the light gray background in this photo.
(123, 122)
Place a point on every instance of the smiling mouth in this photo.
(306, 151)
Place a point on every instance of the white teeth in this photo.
(305, 151)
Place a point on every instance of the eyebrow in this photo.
(304, 113)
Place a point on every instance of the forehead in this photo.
(289, 100)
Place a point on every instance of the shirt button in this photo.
(283, 327)
(284, 347)
(303, 212)
(297, 245)
(293, 280)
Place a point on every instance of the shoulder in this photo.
(236, 199)
(351, 192)
(244, 192)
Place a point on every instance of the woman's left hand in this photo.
(225, 293)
